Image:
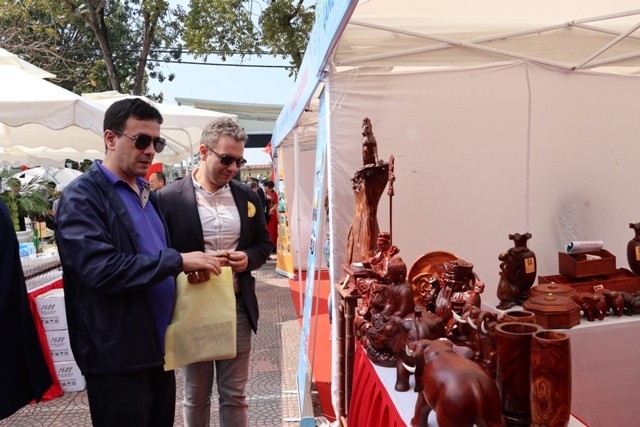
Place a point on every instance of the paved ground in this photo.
(273, 370)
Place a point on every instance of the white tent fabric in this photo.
(503, 117)
(8, 58)
(40, 120)
(572, 34)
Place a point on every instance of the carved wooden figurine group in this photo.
(445, 339)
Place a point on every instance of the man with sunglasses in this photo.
(211, 211)
(119, 274)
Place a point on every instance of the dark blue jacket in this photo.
(110, 321)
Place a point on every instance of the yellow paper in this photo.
(203, 326)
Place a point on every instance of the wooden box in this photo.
(621, 280)
(577, 266)
(554, 311)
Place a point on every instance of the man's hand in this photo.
(238, 261)
(198, 266)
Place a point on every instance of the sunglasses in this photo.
(142, 141)
(226, 159)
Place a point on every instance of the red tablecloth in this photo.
(55, 390)
(370, 404)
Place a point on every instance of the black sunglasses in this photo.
(142, 141)
(226, 159)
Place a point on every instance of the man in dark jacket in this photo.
(24, 375)
(119, 274)
(211, 211)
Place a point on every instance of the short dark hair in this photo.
(268, 183)
(119, 112)
(160, 177)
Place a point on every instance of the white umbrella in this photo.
(61, 176)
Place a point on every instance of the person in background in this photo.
(272, 225)
(263, 198)
(157, 181)
(24, 375)
(211, 211)
(119, 274)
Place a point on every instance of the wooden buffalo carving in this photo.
(456, 388)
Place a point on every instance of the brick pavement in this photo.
(272, 375)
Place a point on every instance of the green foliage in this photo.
(285, 29)
(27, 199)
(97, 45)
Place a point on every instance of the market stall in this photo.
(501, 119)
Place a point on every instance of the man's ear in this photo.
(109, 139)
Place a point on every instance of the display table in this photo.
(55, 390)
(604, 369)
(376, 403)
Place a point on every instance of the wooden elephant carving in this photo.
(421, 325)
(592, 305)
(456, 388)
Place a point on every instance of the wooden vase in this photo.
(550, 379)
(522, 316)
(633, 249)
(514, 371)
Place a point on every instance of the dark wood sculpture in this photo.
(421, 325)
(517, 272)
(369, 183)
(374, 324)
(593, 305)
(369, 143)
(457, 389)
(631, 303)
(633, 249)
(614, 300)
(457, 279)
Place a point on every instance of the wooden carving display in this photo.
(369, 183)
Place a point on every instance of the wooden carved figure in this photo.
(369, 183)
(517, 272)
(456, 388)
(369, 143)
(421, 325)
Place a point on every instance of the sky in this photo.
(227, 83)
